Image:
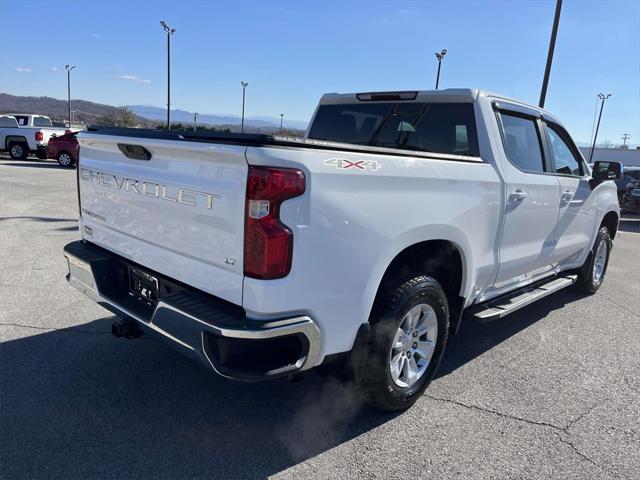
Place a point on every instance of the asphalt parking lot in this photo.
(550, 392)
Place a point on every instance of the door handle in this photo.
(518, 195)
(567, 195)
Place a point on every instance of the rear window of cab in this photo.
(448, 128)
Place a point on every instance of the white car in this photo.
(24, 134)
(360, 247)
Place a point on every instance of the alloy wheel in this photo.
(413, 345)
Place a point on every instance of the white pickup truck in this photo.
(22, 134)
(359, 247)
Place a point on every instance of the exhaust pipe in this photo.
(127, 328)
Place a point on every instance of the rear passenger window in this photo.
(522, 143)
(42, 122)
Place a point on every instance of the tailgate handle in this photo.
(136, 152)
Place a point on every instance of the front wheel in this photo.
(408, 336)
(65, 159)
(592, 272)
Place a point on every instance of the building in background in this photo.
(626, 156)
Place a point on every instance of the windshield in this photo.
(42, 122)
(8, 122)
(429, 127)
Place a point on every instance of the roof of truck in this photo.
(445, 95)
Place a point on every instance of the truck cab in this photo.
(31, 120)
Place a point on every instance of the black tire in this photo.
(65, 159)
(588, 281)
(18, 151)
(377, 383)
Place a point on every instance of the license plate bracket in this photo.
(143, 286)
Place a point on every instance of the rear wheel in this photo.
(18, 151)
(65, 159)
(407, 340)
(593, 271)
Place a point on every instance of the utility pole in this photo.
(281, 119)
(69, 68)
(170, 32)
(625, 137)
(439, 55)
(602, 98)
(195, 121)
(552, 46)
(244, 88)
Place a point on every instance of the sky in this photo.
(291, 52)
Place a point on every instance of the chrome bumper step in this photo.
(197, 323)
(503, 306)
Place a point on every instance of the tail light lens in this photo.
(268, 243)
(39, 136)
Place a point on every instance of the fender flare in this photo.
(412, 237)
(613, 209)
(15, 139)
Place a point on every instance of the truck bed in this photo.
(263, 140)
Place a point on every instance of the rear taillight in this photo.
(39, 136)
(268, 243)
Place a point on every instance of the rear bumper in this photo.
(208, 329)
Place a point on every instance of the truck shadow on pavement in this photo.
(78, 403)
(475, 338)
(35, 164)
(40, 219)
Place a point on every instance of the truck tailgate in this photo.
(179, 213)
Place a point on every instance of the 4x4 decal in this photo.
(344, 164)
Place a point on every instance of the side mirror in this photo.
(603, 171)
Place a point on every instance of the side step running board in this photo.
(509, 303)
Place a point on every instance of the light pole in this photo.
(439, 55)
(281, 119)
(552, 46)
(602, 98)
(195, 121)
(244, 88)
(69, 68)
(170, 32)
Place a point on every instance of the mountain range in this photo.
(147, 116)
(183, 116)
(83, 111)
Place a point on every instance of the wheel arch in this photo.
(610, 220)
(15, 139)
(446, 256)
